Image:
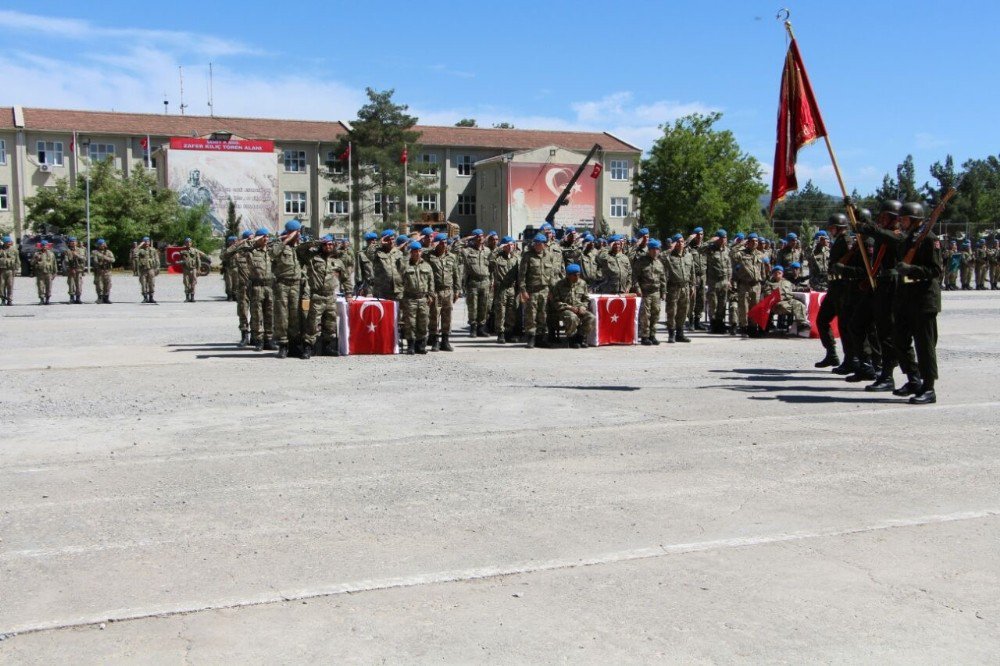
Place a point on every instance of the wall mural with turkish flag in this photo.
(203, 171)
(532, 188)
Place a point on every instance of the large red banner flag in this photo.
(799, 123)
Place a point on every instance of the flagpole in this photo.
(859, 238)
(149, 151)
(406, 191)
(350, 198)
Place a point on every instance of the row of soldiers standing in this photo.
(978, 267)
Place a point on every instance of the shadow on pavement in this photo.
(821, 399)
(589, 388)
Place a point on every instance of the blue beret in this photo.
(616, 238)
(388, 233)
(573, 269)
(263, 231)
(766, 260)
(569, 230)
(328, 238)
(539, 238)
(440, 237)
(426, 231)
(644, 231)
(507, 239)
(752, 235)
(493, 233)
(739, 235)
(187, 240)
(246, 234)
(402, 239)
(230, 238)
(792, 235)
(145, 239)
(100, 241)
(653, 243)
(545, 226)
(292, 225)
(699, 230)
(477, 232)
(8, 239)
(416, 246)
(676, 237)
(778, 267)
(589, 238)
(370, 235)
(821, 232)
(71, 239)
(795, 264)
(721, 233)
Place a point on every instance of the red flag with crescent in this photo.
(799, 124)
(369, 327)
(617, 319)
(761, 313)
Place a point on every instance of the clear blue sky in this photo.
(892, 78)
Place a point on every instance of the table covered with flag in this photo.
(760, 314)
(368, 326)
(173, 256)
(617, 319)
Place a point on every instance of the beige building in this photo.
(40, 146)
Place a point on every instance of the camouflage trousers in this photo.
(966, 277)
(74, 282)
(981, 272)
(7, 284)
(230, 278)
(287, 320)
(416, 313)
(440, 313)
(718, 301)
(995, 275)
(578, 323)
(102, 282)
(321, 319)
(696, 307)
(794, 308)
(504, 309)
(261, 312)
(649, 313)
(678, 302)
(241, 291)
(952, 279)
(147, 280)
(747, 296)
(477, 301)
(44, 283)
(535, 313)
(190, 280)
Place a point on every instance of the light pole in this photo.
(85, 144)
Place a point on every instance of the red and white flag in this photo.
(761, 312)
(368, 326)
(346, 155)
(617, 319)
(173, 256)
(596, 172)
(404, 157)
(144, 143)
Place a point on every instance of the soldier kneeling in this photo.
(571, 300)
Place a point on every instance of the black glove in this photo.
(905, 269)
(849, 202)
(868, 229)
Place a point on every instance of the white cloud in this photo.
(928, 141)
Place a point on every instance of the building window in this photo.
(3, 197)
(427, 165)
(466, 204)
(295, 203)
(101, 151)
(392, 204)
(3, 152)
(427, 201)
(335, 165)
(50, 152)
(464, 165)
(619, 206)
(338, 207)
(619, 169)
(295, 160)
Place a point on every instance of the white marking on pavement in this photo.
(481, 573)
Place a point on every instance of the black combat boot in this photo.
(884, 383)
(422, 346)
(911, 387)
(849, 366)
(282, 351)
(472, 330)
(257, 345)
(653, 340)
(107, 299)
(645, 342)
(501, 338)
(864, 373)
(244, 339)
(307, 351)
(831, 360)
(529, 341)
(698, 326)
(680, 337)
(270, 345)
(925, 396)
(151, 299)
(433, 342)
(333, 347)
(670, 337)
(411, 347)
(583, 342)
(445, 345)
(574, 342)
(481, 331)
(47, 300)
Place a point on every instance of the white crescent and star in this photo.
(381, 313)
(607, 306)
(550, 181)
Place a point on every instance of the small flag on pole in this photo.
(403, 158)
(346, 155)
(596, 173)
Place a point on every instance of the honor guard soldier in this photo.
(571, 301)
(836, 228)
(103, 260)
(75, 261)
(10, 267)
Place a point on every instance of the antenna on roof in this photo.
(166, 104)
(183, 105)
(211, 105)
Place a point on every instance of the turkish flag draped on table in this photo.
(617, 319)
(173, 256)
(368, 326)
(799, 124)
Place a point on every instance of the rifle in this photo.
(926, 228)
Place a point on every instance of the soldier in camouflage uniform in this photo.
(10, 266)
(616, 270)
(697, 307)
(326, 275)
(571, 301)
(365, 277)
(750, 272)
(966, 265)
(239, 263)
(993, 256)
(191, 258)
(147, 266)
(75, 259)
(287, 283)
(788, 305)
(718, 276)
(418, 293)
(103, 260)
(535, 279)
(503, 273)
(348, 257)
(651, 283)
(588, 263)
(476, 261)
(44, 266)
(444, 265)
(981, 262)
(228, 269)
(679, 268)
(819, 262)
(386, 283)
(258, 262)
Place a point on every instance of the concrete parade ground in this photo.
(168, 498)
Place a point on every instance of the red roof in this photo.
(138, 124)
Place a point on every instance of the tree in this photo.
(122, 210)
(233, 221)
(808, 204)
(698, 175)
(907, 180)
(978, 201)
(503, 125)
(466, 122)
(377, 137)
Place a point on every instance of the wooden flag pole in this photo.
(859, 238)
